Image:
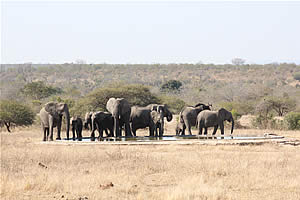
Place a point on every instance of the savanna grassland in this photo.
(31, 169)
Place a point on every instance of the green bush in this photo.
(14, 113)
(171, 85)
(292, 120)
(39, 90)
(175, 105)
(297, 76)
(238, 108)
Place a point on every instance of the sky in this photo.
(150, 32)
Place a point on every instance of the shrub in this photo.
(14, 113)
(39, 90)
(238, 108)
(175, 105)
(292, 120)
(171, 85)
(297, 76)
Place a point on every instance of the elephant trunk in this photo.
(232, 126)
(67, 115)
(116, 126)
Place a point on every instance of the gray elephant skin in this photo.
(51, 116)
(120, 110)
(143, 117)
(214, 119)
(161, 108)
(102, 121)
(188, 117)
(77, 125)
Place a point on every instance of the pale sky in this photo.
(150, 32)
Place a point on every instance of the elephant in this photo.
(102, 121)
(214, 119)
(88, 120)
(179, 128)
(157, 118)
(120, 110)
(142, 117)
(76, 124)
(188, 116)
(51, 116)
(166, 113)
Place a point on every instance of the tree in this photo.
(39, 90)
(297, 76)
(171, 85)
(293, 120)
(238, 61)
(281, 105)
(14, 113)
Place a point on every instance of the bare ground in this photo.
(32, 170)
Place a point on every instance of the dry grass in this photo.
(32, 170)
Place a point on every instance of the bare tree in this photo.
(238, 61)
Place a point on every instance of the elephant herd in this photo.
(122, 116)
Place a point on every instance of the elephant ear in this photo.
(167, 113)
(110, 104)
(50, 107)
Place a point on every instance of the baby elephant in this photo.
(214, 119)
(179, 128)
(156, 118)
(77, 125)
(102, 121)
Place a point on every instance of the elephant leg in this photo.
(101, 133)
(222, 128)
(200, 130)
(127, 130)
(106, 132)
(111, 132)
(156, 132)
(50, 136)
(133, 129)
(151, 131)
(189, 129)
(215, 129)
(205, 130)
(162, 126)
(59, 130)
(80, 133)
(45, 132)
(161, 133)
(183, 129)
(73, 131)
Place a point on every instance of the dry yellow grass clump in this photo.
(31, 169)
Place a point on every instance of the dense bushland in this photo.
(264, 90)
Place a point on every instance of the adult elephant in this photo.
(102, 121)
(161, 108)
(143, 117)
(188, 117)
(51, 116)
(120, 110)
(214, 119)
(77, 125)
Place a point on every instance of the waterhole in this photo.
(176, 138)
